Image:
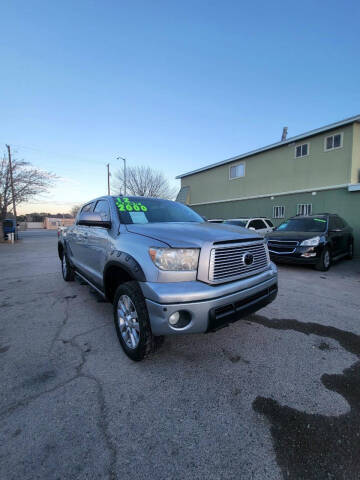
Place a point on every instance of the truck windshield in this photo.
(304, 225)
(135, 210)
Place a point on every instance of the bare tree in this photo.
(74, 210)
(144, 182)
(28, 183)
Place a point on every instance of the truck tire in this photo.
(325, 260)
(132, 322)
(66, 269)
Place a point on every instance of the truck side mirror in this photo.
(93, 219)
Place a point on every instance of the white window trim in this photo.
(278, 206)
(300, 145)
(334, 148)
(304, 205)
(236, 165)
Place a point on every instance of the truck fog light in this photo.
(180, 319)
(174, 318)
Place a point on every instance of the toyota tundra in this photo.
(165, 269)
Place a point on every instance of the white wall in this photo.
(34, 224)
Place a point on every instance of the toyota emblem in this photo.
(248, 258)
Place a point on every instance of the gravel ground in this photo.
(276, 395)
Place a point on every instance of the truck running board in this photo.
(90, 283)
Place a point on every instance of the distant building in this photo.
(53, 223)
(318, 171)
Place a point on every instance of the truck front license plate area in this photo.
(220, 317)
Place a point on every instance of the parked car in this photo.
(262, 225)
(165, 270)
(316, 239)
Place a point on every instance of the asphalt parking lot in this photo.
(276, 395)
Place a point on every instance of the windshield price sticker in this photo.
(126, 205)
(319, 220)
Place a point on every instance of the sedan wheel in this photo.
(350, 254)
(327, 259)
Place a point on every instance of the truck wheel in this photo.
(132, 322)
(325, 260)
(66, 269)
(350, 254)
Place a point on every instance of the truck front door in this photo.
(98, 244)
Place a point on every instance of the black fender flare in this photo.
(127, 263)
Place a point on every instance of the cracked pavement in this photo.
(216, 406)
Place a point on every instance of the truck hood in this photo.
(191, 234)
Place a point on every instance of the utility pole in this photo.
(124, 160)
(108, 175)
(11, 181)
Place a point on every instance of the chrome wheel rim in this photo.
(327, 259)
(128, 321)
(64, 266)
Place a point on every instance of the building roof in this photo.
(331, 126)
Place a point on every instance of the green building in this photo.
(318, 171)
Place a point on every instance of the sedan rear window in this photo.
(304, 225)
(135, 210)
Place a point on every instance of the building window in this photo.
(279, 211)
(302, 150)
(333, 141)
(304, 209)
(237, 171)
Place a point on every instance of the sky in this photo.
(175, 85)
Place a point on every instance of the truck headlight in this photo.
(180, 259)
(310, 242)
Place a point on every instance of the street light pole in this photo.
(124, 160)
(108, 177)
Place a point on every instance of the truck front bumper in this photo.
(210, 307)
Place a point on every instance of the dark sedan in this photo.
(316, 239)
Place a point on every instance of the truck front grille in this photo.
(238, 261)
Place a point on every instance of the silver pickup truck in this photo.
(165, 269)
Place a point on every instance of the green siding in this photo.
(277, 171)
(355, 171)
(340, 201)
